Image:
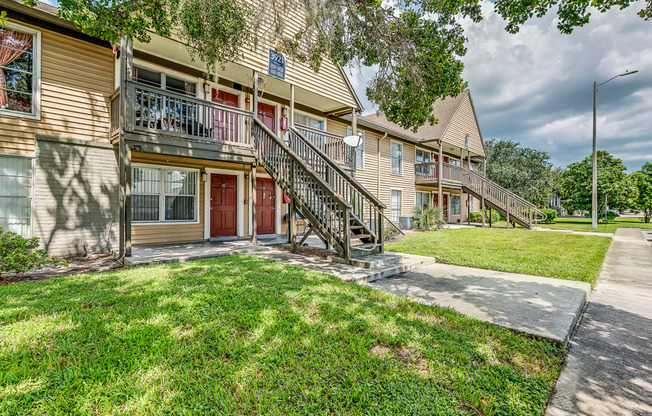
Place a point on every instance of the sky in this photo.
(536, 87)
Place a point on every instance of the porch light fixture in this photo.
(207, 89)
(204, 177)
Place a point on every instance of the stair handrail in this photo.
(337, 168)
(513, 196)
(332, 223)
(376, 205)
(301, 163)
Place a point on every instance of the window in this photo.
(455, 162)
(161, 80)
(455, 205)
(359, 151)
(163, 195)
(471, 203)
(19, 70)
(422, 199)
(396, 158)
(421, 160)
(16, 175)
(396, 200)
(309, 121)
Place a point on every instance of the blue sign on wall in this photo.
(276, 64)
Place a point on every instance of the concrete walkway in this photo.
(609, 367)
(535, 305)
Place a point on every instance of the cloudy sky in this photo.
(536, 87)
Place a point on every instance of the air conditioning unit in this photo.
(405, 222)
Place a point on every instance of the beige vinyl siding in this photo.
(373, 171)
(463, 123)
(76, 85)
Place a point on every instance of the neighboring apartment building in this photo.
(102, 150)
(400, 166)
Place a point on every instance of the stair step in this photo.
(360, 236)
(383, 265)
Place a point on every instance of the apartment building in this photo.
(103, 147)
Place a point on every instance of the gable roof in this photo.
(451, 113)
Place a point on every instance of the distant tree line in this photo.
(529, 173)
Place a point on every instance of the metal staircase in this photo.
(339, 208)
(512, 206)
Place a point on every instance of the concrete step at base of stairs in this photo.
(383, 265)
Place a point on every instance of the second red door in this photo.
(265, 203)
(223, 205)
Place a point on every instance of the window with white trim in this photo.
(310, 121)
(455, 204)
(395, 202)
(422, 199)
(19, 70)
(163, 80)
(164, 195)
(396, 156)
(359, 151)
(16, 178)
(422, 160)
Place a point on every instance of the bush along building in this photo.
(103, 148)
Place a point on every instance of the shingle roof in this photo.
(444, 110)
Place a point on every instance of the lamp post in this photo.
(594, 185)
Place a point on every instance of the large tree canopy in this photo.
(524, 171)
(416, 45)
(613, 183)
(643, 181)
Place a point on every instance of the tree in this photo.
(613, 183)
(643, 181)
(417, 45)
(522, 170)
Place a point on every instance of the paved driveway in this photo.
(609, 366)
(535, 305)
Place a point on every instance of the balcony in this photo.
(331, 144)
(428, 174)
(157, 116)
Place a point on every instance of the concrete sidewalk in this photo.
(609, 367)
(540, 306)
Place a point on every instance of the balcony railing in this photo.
(158, 111)
(429, 172)
(331, 144)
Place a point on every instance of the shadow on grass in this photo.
(243, 335)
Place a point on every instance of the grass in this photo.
(242, 335)
(562, 256)
(584, 224)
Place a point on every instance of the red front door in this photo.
(267, 114)
(265, 203)
(435, 199)
(226, 123)
(223, 205)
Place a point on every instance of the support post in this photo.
(127, 169)
(354, 132)
(292, 220)
(440, 174)
(252, 199)
(381, 230)
(509, 201)
(291, 121)
(490, 215)
(484, 171)
(347, 233)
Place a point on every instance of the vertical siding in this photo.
(463, 123)
(76, 85)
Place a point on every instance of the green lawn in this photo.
(584, 224)
(245, 336)
(563, 256)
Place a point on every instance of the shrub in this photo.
(610, 216)
(389, 233)
(19, 254)
(425, 219)
(551, 215)
(477, 217)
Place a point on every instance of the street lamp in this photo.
(594, 185)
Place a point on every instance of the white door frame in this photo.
(240, 187)
(277, 204)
